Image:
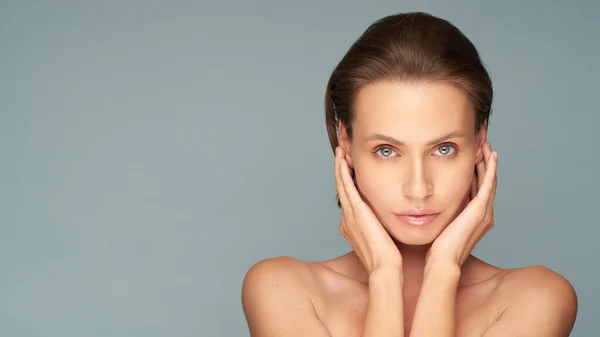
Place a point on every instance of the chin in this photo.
(414, 239)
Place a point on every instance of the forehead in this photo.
(415, 112)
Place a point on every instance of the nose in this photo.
(417, 185)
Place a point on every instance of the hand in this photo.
(359, 225)
(457, 241)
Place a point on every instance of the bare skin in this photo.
(413, 147)
(330, 298)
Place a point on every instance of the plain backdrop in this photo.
(152, 151)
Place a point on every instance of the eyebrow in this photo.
(389, 139)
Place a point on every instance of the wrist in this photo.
(442, 268)
(386, 273)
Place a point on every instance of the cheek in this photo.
(373, 183)
(457, 184)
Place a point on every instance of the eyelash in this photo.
(454, 146)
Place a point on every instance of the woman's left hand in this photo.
(457, 241)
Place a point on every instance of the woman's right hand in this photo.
(359, 225)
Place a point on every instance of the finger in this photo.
(480, 169)
(492, 163)
(474, 185)
(492, 197)
(481, 166)
(487, 187)
(488, 216)
(339, 183)
(488, 222)
(354, 198)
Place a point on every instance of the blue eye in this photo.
(385, 152)
(446, 150)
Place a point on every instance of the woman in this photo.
(407, 112)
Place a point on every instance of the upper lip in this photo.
(418, 211)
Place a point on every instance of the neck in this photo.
(413, 265)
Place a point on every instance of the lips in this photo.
(418, 217)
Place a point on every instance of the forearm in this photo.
(436, 306)
(385, 311)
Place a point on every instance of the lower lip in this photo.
(418, 220)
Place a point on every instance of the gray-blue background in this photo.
(152, 151)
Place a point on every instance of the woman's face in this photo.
(413, 147)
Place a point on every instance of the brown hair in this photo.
(407, 47)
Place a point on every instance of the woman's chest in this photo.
(343, 316)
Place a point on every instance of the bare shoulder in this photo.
(276, 299)
(277, 268)
(540, 283)
(275, 277)
(539, 301)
